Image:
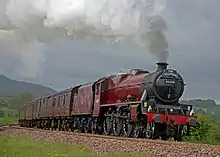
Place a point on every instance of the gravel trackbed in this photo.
(106, 145)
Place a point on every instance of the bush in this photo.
(206, 131)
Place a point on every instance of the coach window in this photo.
(58, 104)
(39, 106)
(61, 101)
(60, 98)
(74, 97)
(54, 102)
(47, 103)
(64, 99)
(36, 105)
(44, 104)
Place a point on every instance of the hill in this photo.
(207, 106)
(208, 103)
(9, 87)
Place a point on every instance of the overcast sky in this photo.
(194, 44)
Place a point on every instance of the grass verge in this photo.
(26, 147)
(8, 120)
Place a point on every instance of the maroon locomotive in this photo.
(133, 104)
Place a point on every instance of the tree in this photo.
(4, 103)
(20, 100)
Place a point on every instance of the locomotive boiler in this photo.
(137, 104)
(164, 85)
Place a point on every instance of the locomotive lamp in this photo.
(157, 118)
(192, 121)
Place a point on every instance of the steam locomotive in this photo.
(136, 104)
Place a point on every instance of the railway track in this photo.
(16, 126)
(96, 135)
(9, 125)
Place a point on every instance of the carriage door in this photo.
(97, 99)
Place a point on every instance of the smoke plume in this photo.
(27, 26)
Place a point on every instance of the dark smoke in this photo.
(27, 27)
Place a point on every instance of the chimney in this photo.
(162, 66)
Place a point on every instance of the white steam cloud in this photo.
(27, 26)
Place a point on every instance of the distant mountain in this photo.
(9, 87)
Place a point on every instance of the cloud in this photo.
(84, 62)
(193, 37)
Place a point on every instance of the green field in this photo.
(26, 147)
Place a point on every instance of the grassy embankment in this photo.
(26, 147)
(8, 120)
(9, 117)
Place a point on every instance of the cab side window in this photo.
(104, 86)
(97, 89)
